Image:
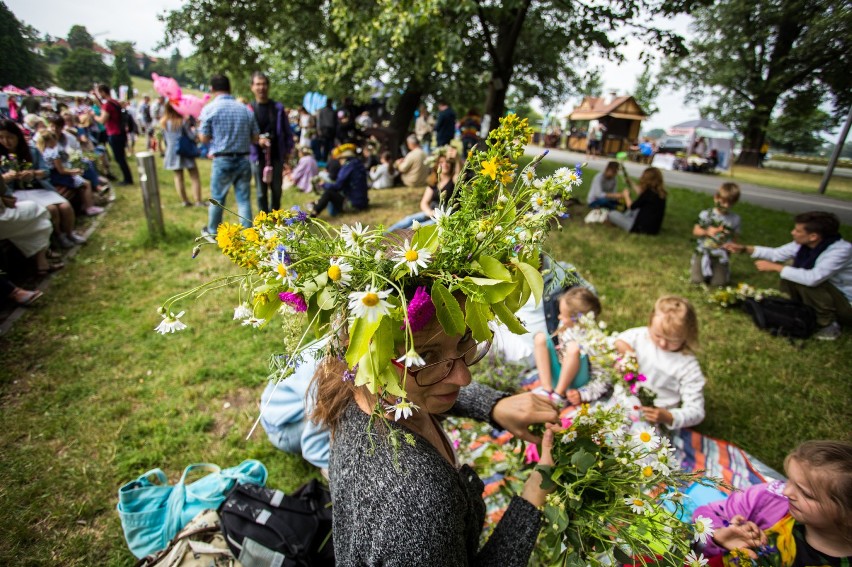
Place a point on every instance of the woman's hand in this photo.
(532, 492)
(75, 171)
(574, 397)
(26, 176)
(10, 176)
(516, 413)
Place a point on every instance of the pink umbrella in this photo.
(37, 92)
(190, 105)
(13, 90)
(166, 86)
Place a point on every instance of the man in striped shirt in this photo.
(229, 128)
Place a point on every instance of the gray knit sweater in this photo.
(425, 512)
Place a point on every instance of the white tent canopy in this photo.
(56, 91)
(716, 136)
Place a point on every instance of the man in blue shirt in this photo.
(229, 128)
(351, 184)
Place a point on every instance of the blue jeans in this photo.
(422, 218)
(229, 171)
(624, 220)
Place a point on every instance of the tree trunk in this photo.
(755, 130)
(503, 61)
(400, 123)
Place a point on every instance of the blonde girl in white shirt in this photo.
(665, 350)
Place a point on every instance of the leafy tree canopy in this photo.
(80, 38)
(81, 69)
(19, 65)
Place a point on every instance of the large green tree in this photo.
(19, 65)
(81, 69)
(646, 91)
(749, 56)
(796, 128)
(124, 63)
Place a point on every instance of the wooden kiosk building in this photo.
(620, 115)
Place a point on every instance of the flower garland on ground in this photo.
(356, 281)
(732, 296)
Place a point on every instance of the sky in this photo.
(136, 20)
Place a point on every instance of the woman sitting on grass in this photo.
(645, 214)
(439, 192)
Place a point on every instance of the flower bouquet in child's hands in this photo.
(719, 238)
(612, 492)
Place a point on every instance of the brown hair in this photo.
(612, 166)
(832, 461)
(333, 393)
(819, 222)
(580, 301)
(729, 192)
(652, 180)
(677, 316)
(171, 116)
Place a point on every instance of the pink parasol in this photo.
(37, 92)
(166, 86)
(13, 90)
(190, 105)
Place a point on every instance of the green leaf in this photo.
(424, 238)
(325, 300)
(360, 334)
(497, 293)
(534, 279)
(266, 309)
(483, 282)
(448, 310)
(508, 318)
(583, 460)
(478, 315)
(374, 365)
(492, 268)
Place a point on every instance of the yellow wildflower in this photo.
(489, 168)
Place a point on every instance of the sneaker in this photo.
(93, 211)
(829, 332)
(77, 238)
(206, 235)
(65, 242)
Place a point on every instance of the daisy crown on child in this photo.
(369, 292)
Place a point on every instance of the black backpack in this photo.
(782, 317)
(265, 527)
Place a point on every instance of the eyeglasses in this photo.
(431, 374)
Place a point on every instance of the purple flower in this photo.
(294, 300)
(629, 376)
(301, 216)
(518, 247)
(349, 375)
(421, 310)
(281, 255)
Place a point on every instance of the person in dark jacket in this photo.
(351, 185)
(645, 214)
(273, 146)
(445, 125)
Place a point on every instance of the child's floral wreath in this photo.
(731, 296)
(485, 246)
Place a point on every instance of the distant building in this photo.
(620, 116)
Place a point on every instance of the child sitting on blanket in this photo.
(805, 521)
(559, 371)
(665, 353)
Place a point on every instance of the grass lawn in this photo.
(92, 397)
(799, 181)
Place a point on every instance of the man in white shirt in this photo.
(821, 273)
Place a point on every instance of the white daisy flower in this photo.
(646, 439)
(528, 176)
(675, 496)
(254, 322)
(402, 409)
(441, 215)
(369, 304)
(638, 505)
(415, 225)
(692, 561)
(703, 529)
(284, 273)
(171, 323)
(411, 358)
(242, 311)
(338, 271)
(539, 202)
(356, 237)
(569, 437)
(412, 257)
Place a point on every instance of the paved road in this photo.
(768, 197)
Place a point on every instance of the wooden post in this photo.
(147, 168)
(835, 155)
